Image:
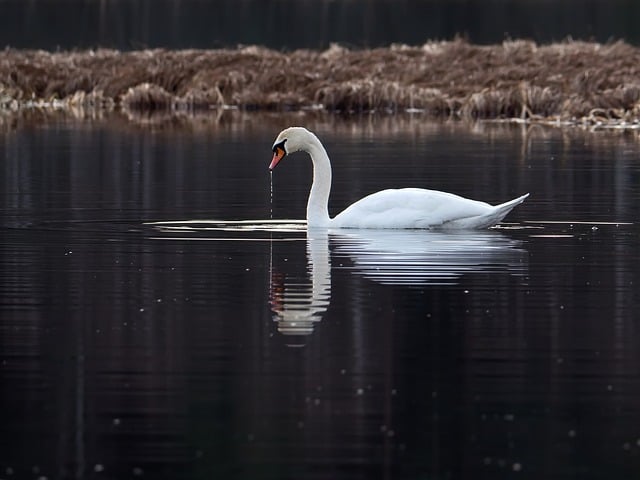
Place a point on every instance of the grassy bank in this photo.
(569, 81)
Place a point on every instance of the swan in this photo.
(394, 208)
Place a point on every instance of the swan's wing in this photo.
(409, 208)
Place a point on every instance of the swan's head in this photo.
(290, 140)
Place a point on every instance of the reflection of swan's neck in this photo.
(317, 209)
(320, 269)
(299, 305)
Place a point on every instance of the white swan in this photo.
(401, 208)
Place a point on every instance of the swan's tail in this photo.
(489, 219)
(501, 211)
(506, 207)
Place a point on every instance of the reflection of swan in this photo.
(299, 305)
(389, 257)
(404, 208)
(418, 257)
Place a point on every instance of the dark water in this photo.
(134, 24)
(218, 349)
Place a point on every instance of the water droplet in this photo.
(98, 468)
(572, 433)
(271, 194)
(137, 471)
(359, 391)
(517, 467)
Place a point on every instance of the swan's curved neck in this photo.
(317, 206)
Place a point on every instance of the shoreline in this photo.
(567, 83)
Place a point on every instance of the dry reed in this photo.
(568, 81)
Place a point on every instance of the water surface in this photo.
(146, 332)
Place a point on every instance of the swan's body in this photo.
(394, 208)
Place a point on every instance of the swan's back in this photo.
(420, 208)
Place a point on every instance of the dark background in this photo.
(290, 24)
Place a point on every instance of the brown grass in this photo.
(567, 81)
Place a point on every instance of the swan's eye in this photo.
(280, 146)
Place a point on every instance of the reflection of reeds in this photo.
(518, 79)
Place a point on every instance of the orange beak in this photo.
(278, 155)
